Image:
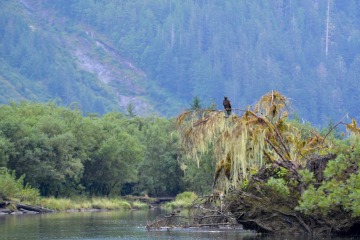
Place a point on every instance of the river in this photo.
(112, 225)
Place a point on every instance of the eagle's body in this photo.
(227, 105)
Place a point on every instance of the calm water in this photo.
(109, 225)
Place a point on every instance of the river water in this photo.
(113, 225)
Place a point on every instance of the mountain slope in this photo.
(308, 50)
(42, 59)
(242, 49)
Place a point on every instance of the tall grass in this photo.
(184, 200)
(139, 205)
(62, 204)
(111, 204)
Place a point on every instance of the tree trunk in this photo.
(25, 207)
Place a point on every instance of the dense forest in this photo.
(64, 154)
(308, 50)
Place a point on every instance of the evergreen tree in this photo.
(196, 103)
(130, 109)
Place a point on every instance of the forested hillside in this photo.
(43, 58)
(306, 49)
(239, 48)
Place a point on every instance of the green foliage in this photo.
(184, 199)
(188, 196)
(280, 172)
(196, 103)
(130, 109)
(160, 173)
(11, 188)
(335, 132)
(245, 183)
(307, 176)
(139, 205)
(63, 153)
(212, 106)
(279, 185)
(62, 204)
(307, 130)
(112, 204)
(199, 178)
(341, 188)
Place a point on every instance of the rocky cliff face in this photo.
(92, 54)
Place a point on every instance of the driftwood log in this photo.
(260, 208)
(25, 208)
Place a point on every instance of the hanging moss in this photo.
(249, 139)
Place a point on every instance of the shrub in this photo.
(10, 187)
(139, 205)
(184, 199)
(279, 185)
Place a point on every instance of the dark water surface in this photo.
(112, 225)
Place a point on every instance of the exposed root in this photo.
(261, 208)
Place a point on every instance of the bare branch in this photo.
(346, 116)
(276, 150)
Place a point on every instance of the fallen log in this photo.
(27, 207)
(5, 211)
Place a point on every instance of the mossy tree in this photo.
(275, 168)
(246, 141)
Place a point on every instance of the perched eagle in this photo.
(227, 105)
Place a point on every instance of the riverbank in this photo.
(96, 204)
(44, 205)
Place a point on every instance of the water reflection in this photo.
(112, 225)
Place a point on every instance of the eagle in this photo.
(227, 105)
